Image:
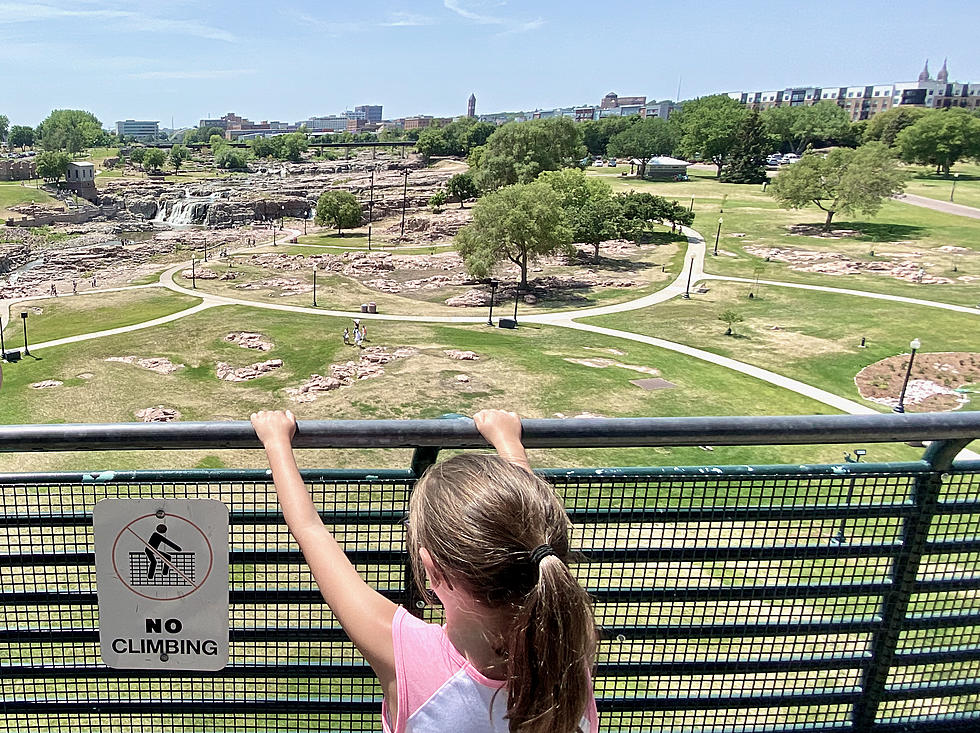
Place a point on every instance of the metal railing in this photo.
(729, 598)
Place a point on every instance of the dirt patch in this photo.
(157, 364)
(835, 263)
(227, 373)
(932, 386)
(46, 384)
(812, 230)
(158, 414)
(601, 363)
(461, 355)
(651, 384)
(248, 340)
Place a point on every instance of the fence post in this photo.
(905, 569)
(422, 458)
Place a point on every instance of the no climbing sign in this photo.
(161, 568)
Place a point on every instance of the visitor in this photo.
(74, 287)
(519, 638)
(358, 339)
(346, 337)
(54, 290)
(363, 332)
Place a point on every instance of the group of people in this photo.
(357, 335)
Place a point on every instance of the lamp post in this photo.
(23, 315)
(953, 189)
(194, 272)
(205, 249)
(517, 297)
(717, 235)
(493, 293)
(915, 344)
(3, 349)
(404, 201)
(314, 285)
(687, 290)
(840, 538)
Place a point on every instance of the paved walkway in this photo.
(944, 206)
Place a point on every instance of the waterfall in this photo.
(189, 210)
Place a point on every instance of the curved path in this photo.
(947, 207)
(689, 276)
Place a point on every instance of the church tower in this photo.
(943, 76)
(924, 75)
(471, 106)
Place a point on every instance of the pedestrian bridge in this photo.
(770, 598)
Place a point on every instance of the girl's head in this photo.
(479, 518)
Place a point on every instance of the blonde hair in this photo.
(500, 513)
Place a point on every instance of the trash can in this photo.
(364, 307)
(12, 356)
(372, 308)
(506, 323)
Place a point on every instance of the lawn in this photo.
(925, 182)
(527, 369)
(13, 193)
(900, 232)
(72, 315)
(810, 336)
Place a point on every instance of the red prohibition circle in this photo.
(155, 598)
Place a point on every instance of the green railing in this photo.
(729, 598)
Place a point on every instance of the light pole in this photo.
(493, 293)
(205, 249)
(371, 210)
(23, 315)
(404, 202)
(517, 297)
(953, 189)
(687, 290)
(915, 344)
(717, 234)
(840, 538)
(194, 272)
(314, 285)
(3, 349)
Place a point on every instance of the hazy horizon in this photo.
(181, 61)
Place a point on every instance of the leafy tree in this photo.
(229, 158)
(747, 161)
(431, 142)
(462, 187)
(844, 181)
(730, 318)
(52, 165)
(519, 151)
(797, 127)
(460, 136)
(941, 138)
(391, 135)
(596, 134)
(516, 224)
(437, 200)
(154, 159)
(590, 209)
(69, 129)
(339, 208)
(178, 154)
(202, 134)
(640, 211)
(649, 137)
(137, 155)
(709, 127)
(4, 127)
(886, 125)
(21, 136)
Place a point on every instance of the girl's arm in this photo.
(502, 430)
(365, 614)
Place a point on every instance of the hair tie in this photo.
(540, 552)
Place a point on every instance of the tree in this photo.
(21, 136)
(178, 154)
(229, 158)
(431, 142)
(709, 126)
(52, 165)
(4, 127)
(463, 187)
(137, 155)
(69, 129)
(516, 224)
(730, 318)
(590, 209)
(941, 138)
(747, 161)
(293, 146)
(652, 136)
(154, 159)
(437, 201)
(460, 136)
(339, 208)
(844, 181)
(886, 125)
(640, 211)
(596, 134)
(797, 127)
(519, 151)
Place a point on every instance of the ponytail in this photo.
(550, 652)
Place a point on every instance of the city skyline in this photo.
(185, 62)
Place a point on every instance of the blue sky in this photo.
(289, 60)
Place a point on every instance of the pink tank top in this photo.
(439, 691)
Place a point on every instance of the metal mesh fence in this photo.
(726, 599)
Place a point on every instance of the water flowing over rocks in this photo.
(227, 373)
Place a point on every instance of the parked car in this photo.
(789, 158)
(598, 163)
(612, 163)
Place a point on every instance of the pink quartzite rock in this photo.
(158, 414)
(46, 384)
(461, 355)
(157, 364)
(248, 340)
(228, 373)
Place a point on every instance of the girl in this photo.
(492, 540)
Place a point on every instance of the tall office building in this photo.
(372, 112)
(140, 129)
(471, 106)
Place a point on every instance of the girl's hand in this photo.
(499, 427)
(272, 426)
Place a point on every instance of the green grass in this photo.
(818, 336)
(73, 315)
(925, 182)
(13, 193)
(524, 369)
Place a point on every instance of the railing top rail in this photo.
(460, 432)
